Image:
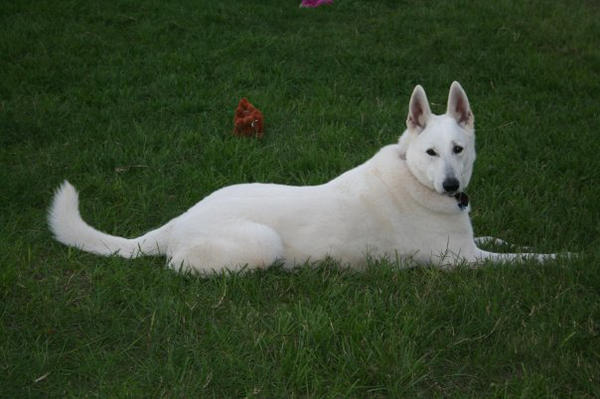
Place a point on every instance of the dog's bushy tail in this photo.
(70, 229)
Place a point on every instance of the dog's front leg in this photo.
(496, 241)
(490, 240)
(482, 256)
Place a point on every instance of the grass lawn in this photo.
(133, 102)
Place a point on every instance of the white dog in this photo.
(405, 202)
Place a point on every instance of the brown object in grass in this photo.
(248, 120)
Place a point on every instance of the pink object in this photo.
(314, 3)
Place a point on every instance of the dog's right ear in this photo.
(418, 110)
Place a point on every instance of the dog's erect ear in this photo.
(418, 110)
(458, 106)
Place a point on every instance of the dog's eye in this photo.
(431, 152)
(457, 149)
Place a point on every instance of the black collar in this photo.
(463, 200)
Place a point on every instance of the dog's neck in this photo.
(422, 195)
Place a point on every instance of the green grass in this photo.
(133, 103)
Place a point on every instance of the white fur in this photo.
(394, 205)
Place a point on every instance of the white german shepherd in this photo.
(405, 202)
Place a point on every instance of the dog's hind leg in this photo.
(230, 247)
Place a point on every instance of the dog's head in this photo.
(440, 149)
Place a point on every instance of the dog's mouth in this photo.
(462, 199)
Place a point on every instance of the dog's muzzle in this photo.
(451, 185)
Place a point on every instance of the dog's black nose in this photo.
(451, 185)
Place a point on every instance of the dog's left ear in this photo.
(458, 106)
